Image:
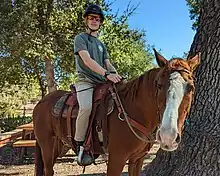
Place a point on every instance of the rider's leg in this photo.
(84, 96)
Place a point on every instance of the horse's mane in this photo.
(130, 88)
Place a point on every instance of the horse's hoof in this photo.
(86, 160)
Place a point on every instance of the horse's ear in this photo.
(161, 61)
(194, 61)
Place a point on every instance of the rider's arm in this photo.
(109, 66)
(92, 64)
(107, 62)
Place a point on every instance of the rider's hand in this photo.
(114, 77)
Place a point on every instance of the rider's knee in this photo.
(87, 105)
(86, 109)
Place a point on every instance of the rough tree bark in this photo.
(199, 153)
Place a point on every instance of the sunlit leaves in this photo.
(31, 31)
(127, 48)
(194, 9)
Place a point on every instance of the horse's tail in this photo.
(39, 165)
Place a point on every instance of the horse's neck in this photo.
(139, 98)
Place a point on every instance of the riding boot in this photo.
(83, 158)
(78, 144)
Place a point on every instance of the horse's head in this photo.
(174, 94)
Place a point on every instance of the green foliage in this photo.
(126, 48)
(31, 31)
(194, 9)
(47, 28)
(40, 29)
(12, 97)
(11, 122)
(11, 71)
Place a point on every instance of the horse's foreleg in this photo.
(115, 165)
(134, 167)
(47, 154)
(136, 162)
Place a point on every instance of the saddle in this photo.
(97, 133)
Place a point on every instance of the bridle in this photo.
(132, 124)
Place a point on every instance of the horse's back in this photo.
(48, 101)
(42, 117)
(53, 96)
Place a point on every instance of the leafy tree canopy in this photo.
(194, 9)
(31, 31)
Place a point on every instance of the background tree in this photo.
(199, 152)
(40, 35)
(13, 97)
(36, 42)
(194, 9)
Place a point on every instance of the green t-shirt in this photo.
(97, 52)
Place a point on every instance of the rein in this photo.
(131, 123)
(83, 89)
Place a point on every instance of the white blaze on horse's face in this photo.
(168, 135)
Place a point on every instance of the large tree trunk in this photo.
(199, 153)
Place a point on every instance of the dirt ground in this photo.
(65, 166)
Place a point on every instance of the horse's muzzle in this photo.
(168, 139)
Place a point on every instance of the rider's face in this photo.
(93, 21)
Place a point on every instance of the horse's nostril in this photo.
(178, 138)
(166, 146)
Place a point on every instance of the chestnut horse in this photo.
(161, 97)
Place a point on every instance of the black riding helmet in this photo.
(94, 9)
